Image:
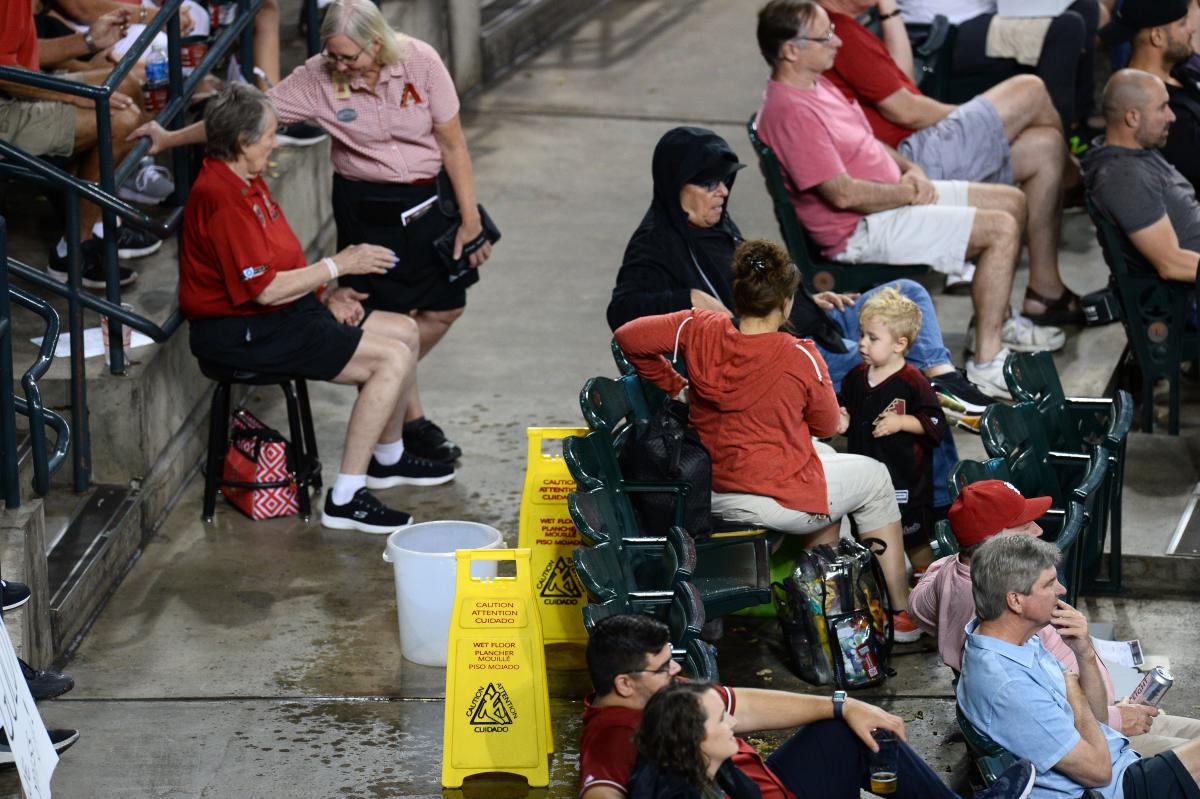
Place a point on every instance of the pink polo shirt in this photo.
(382, 136)
(942, 604)
(818, 134)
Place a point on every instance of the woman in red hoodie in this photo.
(759, 398)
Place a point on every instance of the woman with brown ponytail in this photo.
(759, 398)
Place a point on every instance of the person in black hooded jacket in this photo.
(681, 256)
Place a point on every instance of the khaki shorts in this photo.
(858, 486)
(917, 234)
(39, 127)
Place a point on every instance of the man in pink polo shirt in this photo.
(863, 202)
(942, 604)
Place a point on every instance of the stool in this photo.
(303, 440)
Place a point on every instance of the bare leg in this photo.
(266, 40)
(1189, 756)
(995, 244)
(401, 330)
(434, 325)
(123, 123)
(892, 561)
(1023, 102)
(386, 371)
(1039, 157)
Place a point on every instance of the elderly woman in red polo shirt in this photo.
(252, 303)
(390, 106)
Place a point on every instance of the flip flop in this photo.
(1066, 310)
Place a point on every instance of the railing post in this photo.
(246, 44)
(112, 273)
(81, 462)
(8, 417)
(179, 155)
(312, 21)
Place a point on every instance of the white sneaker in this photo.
(988, 377)
(150, 186)
(1020, 334)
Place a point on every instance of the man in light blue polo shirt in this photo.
(1016, 693)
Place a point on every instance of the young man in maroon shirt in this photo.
(629, 660)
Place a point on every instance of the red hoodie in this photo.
(756, 401)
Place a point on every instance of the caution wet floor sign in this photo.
(547, 531)
(497, 705)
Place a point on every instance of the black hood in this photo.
(681, 155)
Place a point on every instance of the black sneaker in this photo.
(364, 513)
(1015, 783)
(45, 684)
(301, 134)
(956, 386)
(92, 265)
(61, 740)
(410, 470)
(15, 594)
(134, 243)
(426, 440)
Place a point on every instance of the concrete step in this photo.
(512, 31)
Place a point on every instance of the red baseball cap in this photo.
(985, 508)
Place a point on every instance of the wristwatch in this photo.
(839, 698)
(90, 41)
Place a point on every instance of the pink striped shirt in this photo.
(942, 604)
(382, 136)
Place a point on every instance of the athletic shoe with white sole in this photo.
(410, 470)
(92, 272)
(1020, 334)
(15, 594)
(365, 513)
(956, 387)
(135, 243)
(61, 740)
(989, 376)
(904, 629)
(150, 186)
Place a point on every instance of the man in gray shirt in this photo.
(1134, 187)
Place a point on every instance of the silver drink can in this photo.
(1153, 687)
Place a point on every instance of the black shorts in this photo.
(916, 523)
(369, 213)
(1160, 777)
(302, 339)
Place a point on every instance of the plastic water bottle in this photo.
(156, 66)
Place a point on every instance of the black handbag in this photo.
(459, 271)
(668, 450)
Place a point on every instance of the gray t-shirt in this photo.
(1135, 188)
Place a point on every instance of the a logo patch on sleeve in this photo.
(251, 272)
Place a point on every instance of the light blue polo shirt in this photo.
(1018, 697)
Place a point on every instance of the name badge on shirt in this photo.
(347, 115)
(251, 272)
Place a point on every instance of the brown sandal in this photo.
(1066, 310)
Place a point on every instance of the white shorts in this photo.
(917, 234)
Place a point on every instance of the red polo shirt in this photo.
(235, 239)
(607, 755)
(18, 36)
(865, 71)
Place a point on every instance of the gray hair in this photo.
(234, 118)
(1007, 563)
(363, 23)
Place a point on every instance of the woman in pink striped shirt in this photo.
(391, 109)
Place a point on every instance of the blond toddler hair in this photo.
(899, 314)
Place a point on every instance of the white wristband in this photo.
(331, 265)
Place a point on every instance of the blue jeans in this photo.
(826, 760)
(928, 350)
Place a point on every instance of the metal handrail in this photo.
(8, 419)
(31, 405)
(104, 195)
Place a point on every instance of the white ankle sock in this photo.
(61, 248)
(346, 486)
(389, 454)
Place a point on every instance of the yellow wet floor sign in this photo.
(497, 700)
(547, 531)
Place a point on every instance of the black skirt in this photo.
(369, 213)
(302, 339)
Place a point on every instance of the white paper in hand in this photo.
(31, 747)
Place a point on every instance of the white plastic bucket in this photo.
(423, 558)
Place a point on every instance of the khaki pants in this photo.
(39, 127)
(1166, 732)
(857, 485)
